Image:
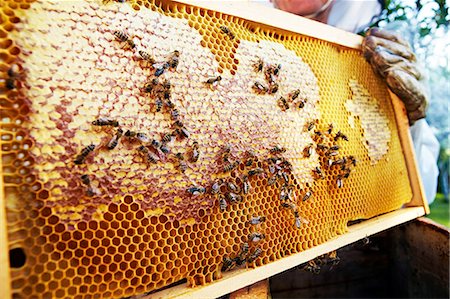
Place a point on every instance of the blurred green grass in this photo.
(439, 210)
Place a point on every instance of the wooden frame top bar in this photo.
(280, 19)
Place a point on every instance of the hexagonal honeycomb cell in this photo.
(144, 143)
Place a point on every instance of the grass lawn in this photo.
(439, 210)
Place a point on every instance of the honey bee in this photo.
(222, 203)
(130, 134)
(318, 172)
(258, 65)
(232, 187)
(272, 180)
(227, 264)
(146, 56)
(84, 152)
(151, 85)
(277, 150)
(322, 147)
(289, 205)
(333, 259)
(115, 140)
(276, 70)
(307, 196)
(215, 188)
(283, 104)
(257, 220)
(318, 135)
(174, 59)
(246, 184)
(272, 168)
(229, 167)
(299, 220)
(285, 176)
(213, 80)
(334, 148)
(167, 138)
(90, 191)
(182, 132)
(103, 121)
(301, 104)
(352, 160)
(312, 267)
(339, 182)
(158, 104)
(330, 129)
(160, 70)
(155, 144)
(284, 194)
(163, 148)
(339, 161)
(240, 259)
(256, 237)
(85, 179)
(122, 36)
(255, 171)
(152, 158)
(295, 94)
(273, 88)
(142, 137)
(174, 114)
(232, 197)
(259, 88)
(172, 62)
(13, 74)
(194, 153)
(331, 153)
(254, 255)
(196, 190)
(340, 135)
(181, 163)
(308, 150)
(227, 31)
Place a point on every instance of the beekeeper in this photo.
(392, 58)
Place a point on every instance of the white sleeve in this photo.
(426, 147)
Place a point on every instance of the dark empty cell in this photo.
(17, 258)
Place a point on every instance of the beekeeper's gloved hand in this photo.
(392, 58)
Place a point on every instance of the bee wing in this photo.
(304, 220)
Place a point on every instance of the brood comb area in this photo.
(143, 143)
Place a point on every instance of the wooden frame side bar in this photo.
(5, 279)
(258, 13)
(244, 277)
(419, 198)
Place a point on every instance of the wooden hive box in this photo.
(141, 141)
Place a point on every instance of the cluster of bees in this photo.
(329, 259)
(271, 73)
(279, 173)
(328, 149)
(152, 150)
(244, 255)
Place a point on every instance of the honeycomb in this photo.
(253, 144)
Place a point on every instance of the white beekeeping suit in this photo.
(354, 16)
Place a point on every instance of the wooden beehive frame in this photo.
(240, 278)
(416, 208)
